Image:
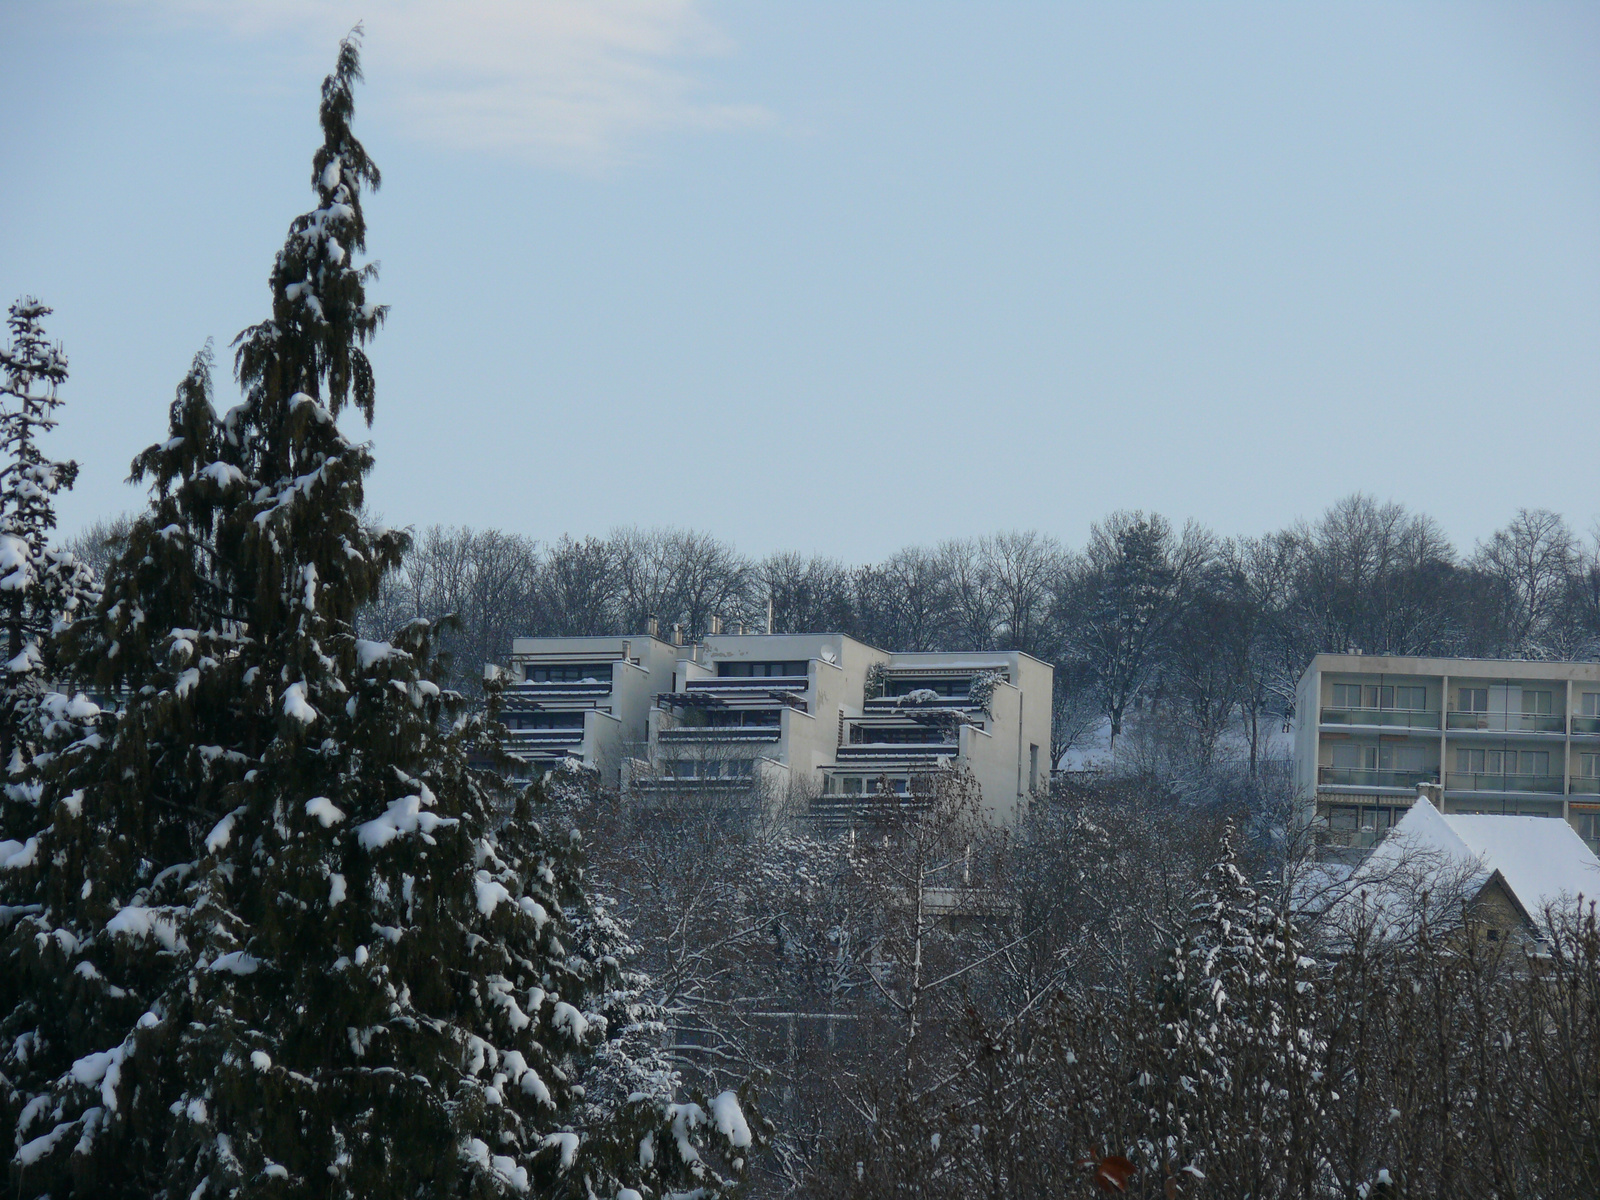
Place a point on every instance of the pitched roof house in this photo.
(1500, 874)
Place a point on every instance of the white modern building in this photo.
(583, 698)
(745, 712)
(1499, 736)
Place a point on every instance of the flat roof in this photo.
(1413, 664)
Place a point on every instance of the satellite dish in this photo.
(829, 655)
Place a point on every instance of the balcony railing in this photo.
(1352, 777)
(525, 697)
(1506, 722)
(735, 785)
(896, 751)
(879, 705)
(1542, 784)
(1586, 724)
(720, 733)
(743, 685)
(1394, 718)
(1585, 787)
(568, 733)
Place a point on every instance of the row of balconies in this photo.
(1551, 785)
(1485, 721)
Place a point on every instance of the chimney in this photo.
(738, 629)
(1433, 793)
(769, 614)
(677, 634)
(652, 626)
(716, 626)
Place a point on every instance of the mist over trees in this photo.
(1213, 631)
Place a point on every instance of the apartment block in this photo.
(1498, 735)
(744, 713)
(583, 698)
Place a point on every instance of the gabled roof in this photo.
(1540, 860)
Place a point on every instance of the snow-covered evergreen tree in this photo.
(40, 587)
(271, 935)
(1233, 1085)
(43, 588)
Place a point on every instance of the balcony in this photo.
(1585, 787)
(1489, 722)
(1353, 777)
(1393, 718)
(1586, 724)
(1538, 784)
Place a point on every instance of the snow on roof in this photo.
(1541, 859)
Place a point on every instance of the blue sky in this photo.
(839, 277)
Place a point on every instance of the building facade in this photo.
(823, 713)
(1499, 736)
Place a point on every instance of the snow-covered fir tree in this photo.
(270, 935)
(1232, 1084)
(40, 587)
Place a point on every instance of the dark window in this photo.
(568, 672)
(566, 720)
(742, 718)
(761, 670)
(919, 735)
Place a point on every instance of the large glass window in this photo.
(1471, 699)
(742, 718)
(1503, 762)
(1587, 822)
(1354, 758)
(1590, 702)
(1386, 756)
(1378, 820)
(1537, 703)
(1589, 766)
(1409, 698)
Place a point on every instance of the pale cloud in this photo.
(571, 83)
